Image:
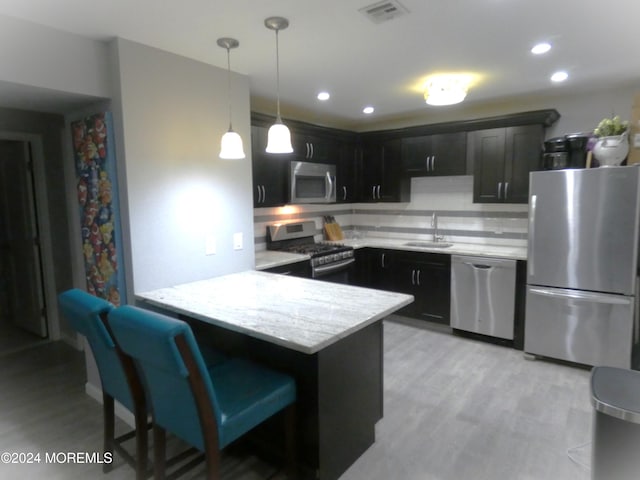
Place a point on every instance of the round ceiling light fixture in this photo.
(368, 110)
(323, 96)
(446, 89)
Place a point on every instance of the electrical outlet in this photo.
(237, 241)
(210, 245)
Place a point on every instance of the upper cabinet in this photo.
(435, 155)
(346, 171)
(377, 166)
(502, 159)
(269, 172)
(313, 148)
(381, 178)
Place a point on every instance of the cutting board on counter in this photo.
(332, 230)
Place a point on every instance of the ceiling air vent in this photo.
(383, 11)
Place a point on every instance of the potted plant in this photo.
(612, 146)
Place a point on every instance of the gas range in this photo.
(298, 237)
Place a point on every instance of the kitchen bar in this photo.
(328, 336)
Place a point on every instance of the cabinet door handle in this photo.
(344, 192)
(373, 192)
(506, 190)
(259, 193)
(379, 192)
(427, 162)
(382, 260)
(499, 190)
(264, 194)
(418, 277)
(433, 163)
(311, 145)
(413, 276)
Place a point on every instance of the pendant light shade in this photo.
(279, 137)
(231, 146)
(231, 143)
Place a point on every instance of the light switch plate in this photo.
(237, 241)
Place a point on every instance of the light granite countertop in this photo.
(268, 258)
(484, 250)
(297, 313)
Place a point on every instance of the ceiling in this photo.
(331, 46)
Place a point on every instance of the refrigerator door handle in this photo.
(587, 296)
(532, 230)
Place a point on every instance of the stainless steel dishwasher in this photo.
(483, 295)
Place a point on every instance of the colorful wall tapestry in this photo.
(94, 153)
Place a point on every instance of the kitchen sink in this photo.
(429, 244)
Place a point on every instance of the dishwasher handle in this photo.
(479, 266)
(483, 263)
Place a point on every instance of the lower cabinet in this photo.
(426, 276)
(374, 268)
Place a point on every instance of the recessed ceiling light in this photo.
(560, 76)
(323, 96)
(368, 110)
(541, 48)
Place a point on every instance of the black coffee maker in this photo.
(568, 151)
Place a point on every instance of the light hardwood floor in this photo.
(455, 409)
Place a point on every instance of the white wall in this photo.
(43, 57)
(170, 113)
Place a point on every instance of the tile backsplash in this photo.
(450, 198)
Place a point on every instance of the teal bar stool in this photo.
(207, 407)
(87, 315)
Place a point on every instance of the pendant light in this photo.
(279, 137)
(231, 143)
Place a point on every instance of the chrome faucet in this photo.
(434, 225)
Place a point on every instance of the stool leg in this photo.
(159, 453)
(109, 422)
(290, 441)
(142, 445)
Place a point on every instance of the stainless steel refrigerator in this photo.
(583, 265)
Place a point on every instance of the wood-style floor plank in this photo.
(454, 408)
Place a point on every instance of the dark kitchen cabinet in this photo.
(374, 268)
(308, 147)
(502, 159)
(346, 172)
(269, 172)
(381, 178)
(435, 155)
(426, 276)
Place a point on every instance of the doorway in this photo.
(23, 310)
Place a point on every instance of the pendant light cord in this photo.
(229, 84)
(278, 119)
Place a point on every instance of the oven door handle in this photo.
(332, 267)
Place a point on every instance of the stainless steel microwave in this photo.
(312, 183)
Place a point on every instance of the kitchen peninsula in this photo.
(328, 336)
